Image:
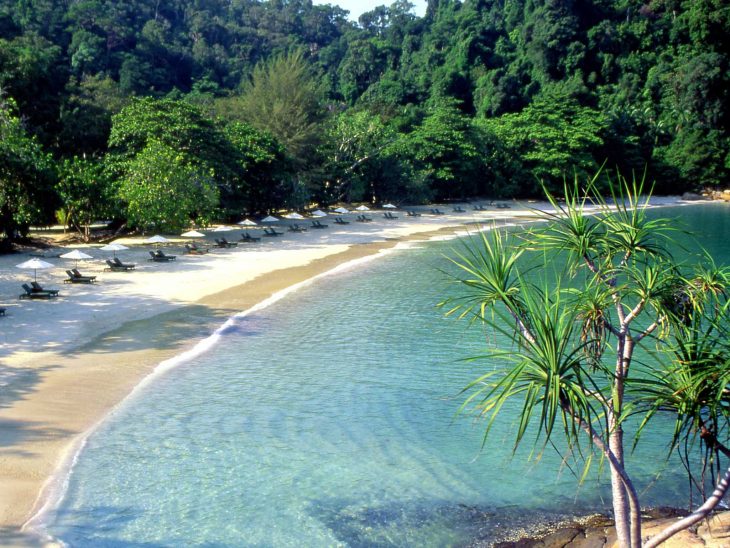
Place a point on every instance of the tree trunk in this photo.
(621, 513)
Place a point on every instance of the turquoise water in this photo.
(329, 419)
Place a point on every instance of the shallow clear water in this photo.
(329, 419)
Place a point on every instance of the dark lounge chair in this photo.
(437, 211)
(31, 294)
(413, 213)
(297, 228)
(459, 209)
(115, 265)
(246, 237)
(341, 221)
(270, 231)
(75, 277)
(193, 249)
(317, 224)
(503, 206)
(389, 215)
(224, 244)
(160, 257)
(37, 288)
(479, 207)
(363, 219)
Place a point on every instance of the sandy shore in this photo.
(66, 362)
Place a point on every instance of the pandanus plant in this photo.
(573, 366)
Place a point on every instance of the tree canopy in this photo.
(476, 97)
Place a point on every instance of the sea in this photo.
(331, 417)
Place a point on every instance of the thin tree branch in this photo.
(702, 512)
(648, 331)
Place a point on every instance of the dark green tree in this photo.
(283, 98)
(86, 194)
(27, 174)
(165, 189)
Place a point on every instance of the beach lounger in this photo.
(479, 207)
(317, 224)
(192, 249)
(270, 231)
(413, 214)
(37, 288)
(115, 265)
(503, 206)
(297, 228)
(246, 237)
(224, 244)
(389, 215)
(160, 257)
(341, 221)
(30, 294)
(459, 209)
(363, 219)
(79, 275)
(75, 277)
(437, 211)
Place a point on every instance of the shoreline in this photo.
(79, 384)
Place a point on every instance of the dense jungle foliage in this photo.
(156, 113)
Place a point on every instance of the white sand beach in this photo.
(65, 362)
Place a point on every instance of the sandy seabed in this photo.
(66, 362)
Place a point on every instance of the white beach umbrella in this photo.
(223, 229)
(319, 213)
(192, 234)
(363, 208)
(389, 206)
(157, 239)
(76, 255)
(342, 210)
(247, 222)
(269, 219)
(34, 265)
(114, 248)
(294, 215)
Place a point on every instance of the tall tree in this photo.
(353, 142)
(283, 98)
(86, 193)
(178, 125)
(264, 172)
(444, 148)
(166, 189)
